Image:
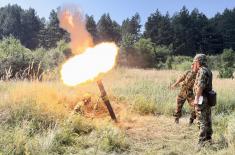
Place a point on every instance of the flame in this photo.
(90, 64)
(90, 61)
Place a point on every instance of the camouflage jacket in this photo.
(188, 79)
(203, 80)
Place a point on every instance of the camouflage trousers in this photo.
(203, 113)
(180, 100)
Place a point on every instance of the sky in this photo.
(122, 9)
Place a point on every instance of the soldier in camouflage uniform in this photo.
(202, 85)
(186, 93)
(80, 106)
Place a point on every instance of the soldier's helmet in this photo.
(201, 58)
(86, 98)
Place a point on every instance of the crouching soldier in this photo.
(80, 106)
(186, 93)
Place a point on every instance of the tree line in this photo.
(165, 42)
(186, 32)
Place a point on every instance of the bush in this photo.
(113, 140)
(79, 125)
(163, 58)
(145, 53)
(143, 105)
(21, 63)
(13, 57)
(227, 57)
(214, 61)
(182, 62)
(184, 66)
(62, 139)
(226, 72)
(227, 62)
(169, 62)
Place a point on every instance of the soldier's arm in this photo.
(180, 79)
(201, 85)
(198, 94)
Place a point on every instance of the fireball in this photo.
(90, 64)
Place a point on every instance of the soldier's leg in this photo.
(204, 119)
(192, 115)
(190, 100)
(209, 130)
(179, 105)
(201, 125)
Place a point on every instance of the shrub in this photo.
(21, 63)
(182, 62)
(13, 57)
(113, 140)
(169, 62)
(145, 52)
(62, 139)
(226, 72)
(186, 65)
(79, 125)
(143, 105)
(214, 61)
(227, 62)
(163, 58)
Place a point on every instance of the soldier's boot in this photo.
(202, 144)
(209, 140)
(191, 121)
(177, 120)
(199, 146)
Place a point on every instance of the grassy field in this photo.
(37, 117)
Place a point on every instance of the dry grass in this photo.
(36, 116)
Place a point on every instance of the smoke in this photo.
(72, 20)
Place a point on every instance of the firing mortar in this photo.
(105, 98)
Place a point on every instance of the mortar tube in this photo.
(105, 98)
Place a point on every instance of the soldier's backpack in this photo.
(211, 96)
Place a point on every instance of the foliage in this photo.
(92, 28)
(227, 61)
(144, 52)
(13, 56)
(22, 24)
(22, 63)
(159, 29)
(214, 61)
(53, 31)
(188, 32)
(131, 27)
(113, 140)
(144, 106)
(162, 53)
(226, 72)
(108, 29)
